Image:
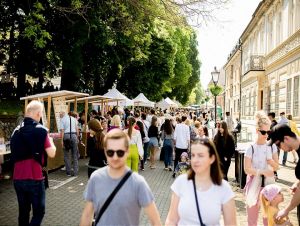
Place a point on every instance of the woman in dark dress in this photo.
(95, 147)
(225, 147)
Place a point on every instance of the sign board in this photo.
(44, 117)
(59, 105)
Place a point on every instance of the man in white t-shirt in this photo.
(182, 139)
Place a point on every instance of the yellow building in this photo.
(270, 48)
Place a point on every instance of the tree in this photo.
(215, 90)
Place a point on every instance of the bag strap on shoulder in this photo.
(112, 195)
(197, 204)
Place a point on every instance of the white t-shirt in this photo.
(210, 201)
(261, 153)
(182, 136)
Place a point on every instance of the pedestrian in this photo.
(271, 116)
(271, 197)
(146, 139)
(95, 146)
(136, 151)
(125, 207)
(30, 146)
(167, 136)
(285, 139)
(224, 142)
(283, 120)
(292, 124)
(260, 162)
(69, 134)
(201, 195)
(182, 139)
(237, 130)
(115, 122)
(182, 166)
(229, 122)
(153, 143)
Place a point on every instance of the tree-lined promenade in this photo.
(144, 46)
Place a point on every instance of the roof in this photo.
(120, 99)
(62, 93)
(93, 99)
(141, 100)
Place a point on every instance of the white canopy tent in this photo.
(141, 100)
(166, 104)
(171, 103)
(121, 99)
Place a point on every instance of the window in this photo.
(291, 17)
(276, 98)
(288, 96)
(270, 40)
(278, 29)
(254, 102)
(249, 103)
(296, 96)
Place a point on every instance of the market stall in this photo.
(102, 101)
(120, 99)
(58, 100)
(142, 101)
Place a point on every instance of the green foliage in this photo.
(215, 90)
(146, 46)
(35, 23)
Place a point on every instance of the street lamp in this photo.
(215, 77)
(206, 99)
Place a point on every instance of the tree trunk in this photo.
(67, 79)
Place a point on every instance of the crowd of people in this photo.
(122, 142)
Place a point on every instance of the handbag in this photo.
(110, 197)
(198, 210)
(67, 141)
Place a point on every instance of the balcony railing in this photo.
(254, 63)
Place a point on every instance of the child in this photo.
(271, 196)
(183, 166)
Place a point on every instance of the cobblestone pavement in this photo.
(65, 202)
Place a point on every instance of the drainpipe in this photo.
(241, 74)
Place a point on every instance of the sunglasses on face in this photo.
(263, 132)
(111, 153)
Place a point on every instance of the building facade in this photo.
(269, 53)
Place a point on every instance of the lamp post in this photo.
(215, 77)
(206, 99)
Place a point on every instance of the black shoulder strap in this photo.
(70, 127)
(196, 198)
(252, 150)
(112, 195)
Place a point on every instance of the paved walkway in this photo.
(65, 202)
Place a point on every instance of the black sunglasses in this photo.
(263, 132)
(111, 153)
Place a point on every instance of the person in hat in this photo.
(285, 139)
(271, 197)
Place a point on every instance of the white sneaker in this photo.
(63, 169)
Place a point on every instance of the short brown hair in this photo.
(116, 134)
(215, 168)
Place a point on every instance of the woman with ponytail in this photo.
(136, 151)
(95, 147)
(260, 163)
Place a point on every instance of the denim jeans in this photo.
(30, 193)
(71, 155)
(168, 149)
